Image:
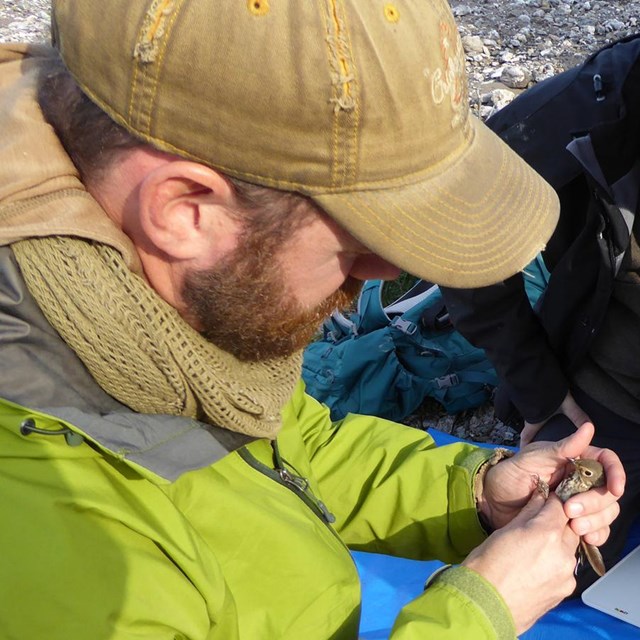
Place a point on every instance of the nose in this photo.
(373, 267)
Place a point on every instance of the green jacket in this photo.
(99, 545)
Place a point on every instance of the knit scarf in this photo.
(139, 349)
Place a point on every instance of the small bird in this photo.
(586, 474)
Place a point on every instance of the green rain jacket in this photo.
(109, 535)
(117, 525)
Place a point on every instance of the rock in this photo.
(501, 97)
(614, 25)
(506, 56)
(473, 44)
(461, 10)
(494, 100)
(542, 36)
(543, 72)
(515, 76)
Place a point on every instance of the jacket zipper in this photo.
(295, 483)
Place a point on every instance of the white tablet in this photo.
(617, 592)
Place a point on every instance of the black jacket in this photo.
(581, 131)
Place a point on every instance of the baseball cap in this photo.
(362, 106)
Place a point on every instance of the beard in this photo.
(243, 304)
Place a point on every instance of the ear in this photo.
(183, 210)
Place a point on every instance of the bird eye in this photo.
(588, 473)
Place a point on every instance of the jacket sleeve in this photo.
(394, 491)
(391, 489)
(500, 320)
(457, 603)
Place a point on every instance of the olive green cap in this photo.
(360, 104)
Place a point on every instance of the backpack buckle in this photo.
(407, 327)
(450, 380)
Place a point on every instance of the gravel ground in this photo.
(24, 20)
(510, 45)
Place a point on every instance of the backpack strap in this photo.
(368, 317)
(436, 317)
(420, 290)
(404, 314)
(423, 299)
(337, 326)
(486, 376)
(370, 314)
(536, 278)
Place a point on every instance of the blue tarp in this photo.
(390, 583)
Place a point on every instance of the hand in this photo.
(569, 408)
(531, 560)
(509, 485)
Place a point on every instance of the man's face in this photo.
(269, 296)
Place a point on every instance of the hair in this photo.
(93, 140)
(90, 137)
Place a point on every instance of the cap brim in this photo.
(474, 222)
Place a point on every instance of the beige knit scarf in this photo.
(139, 349)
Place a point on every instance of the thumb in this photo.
(574, 445)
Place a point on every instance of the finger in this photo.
(592, 515)
(531, 509)
(550, 509)
(592, 502)
(529, 432)
(553, 508)
(556, 519)
(576, 444)
(598, 537)
(574, 411)
(524, 441)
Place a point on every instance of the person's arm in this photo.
(569, 408)
(393, 491)
(391, 488)
(457, 604)
(499, 319)
(504, 585)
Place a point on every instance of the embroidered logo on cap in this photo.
(448, 80)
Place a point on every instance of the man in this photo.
(170, 243)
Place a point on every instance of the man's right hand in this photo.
(531, 560)
(569, 408)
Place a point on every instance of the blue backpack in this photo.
(385, 361)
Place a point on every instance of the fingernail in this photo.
(575, 509)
